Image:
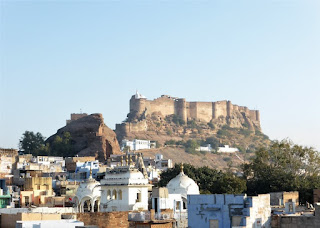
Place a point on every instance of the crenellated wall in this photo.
(201, 111)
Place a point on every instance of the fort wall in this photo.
(200, 111)
(204, 111)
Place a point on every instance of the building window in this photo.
(114, 194)
(120, 194)
(178, 205)
(26, 200)
(138, 197)
(108, 194)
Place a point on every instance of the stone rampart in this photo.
(200, 111)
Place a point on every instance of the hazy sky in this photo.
(58, 57)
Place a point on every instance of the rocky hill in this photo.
(215, 161)
(89, 137)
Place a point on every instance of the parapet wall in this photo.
(201, 111)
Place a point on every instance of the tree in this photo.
(32, 143)
(191, 145)
(284, 166)
(62, 146)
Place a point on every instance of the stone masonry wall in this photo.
(104, 219)
(202, 111)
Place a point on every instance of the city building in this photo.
(5, 197)
(87, 167)
(124, 188)
(37, 191)
(137, 144)
(227, 210)
(227, 149)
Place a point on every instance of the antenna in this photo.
(80, 110)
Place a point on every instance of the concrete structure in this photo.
(297, 220)
(124, 188)
(66, 223)
(161, 163)
(227, 149)
(281, 198)
(10, 220)
(206, 148)
(37, 191)
(137, 144)
(47, 160)
(71, 162)
(85, 167)
(5, 197)
(163, 201)
(218, 210)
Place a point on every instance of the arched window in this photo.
(114, 194)
(109, 194)
(120, 194)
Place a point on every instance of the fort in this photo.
(200, 111)
(203, 112)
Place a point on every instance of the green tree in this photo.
(33, 143)
(191, 145)
(62, 146)
(284, 166)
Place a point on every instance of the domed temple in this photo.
(88, 195)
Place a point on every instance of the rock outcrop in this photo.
(90, 137)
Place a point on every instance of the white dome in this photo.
(184, 185)
(90, 188)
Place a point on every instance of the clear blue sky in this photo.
(58, 57)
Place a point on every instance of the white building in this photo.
(47, 160)
(175, 197)
(85, 167)
(227, 149)
(206, 148)
(88, 195)
(137, 144)
(124, 188)
(161, 163)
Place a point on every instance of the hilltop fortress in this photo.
(218, 113)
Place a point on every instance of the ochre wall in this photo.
(104, 219)
(202, 111)
(220, 109)
(164, 105)
(9, 220)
